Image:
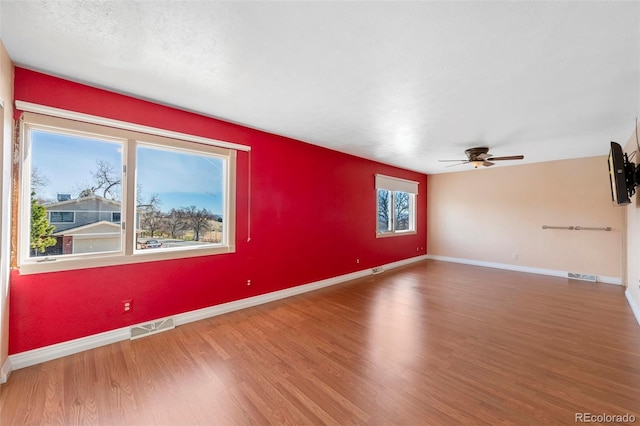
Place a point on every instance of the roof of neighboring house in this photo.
(83, 200)
(102, 227)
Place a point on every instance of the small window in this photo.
(396, 206)
(62, 217)
(115, 217)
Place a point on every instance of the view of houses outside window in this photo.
(76, 184)
(77, 181)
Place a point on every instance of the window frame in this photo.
(61, 211)
(130, 140)
(394, 185)
(184, 147)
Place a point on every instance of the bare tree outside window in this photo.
(38, 182)
(174, 224)
(152, 222)
(401, 210)
(107, 182)
(197, 220)
(384, 222)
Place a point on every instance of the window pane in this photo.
(402, 211)
(61, 217)
(76, 187)
(180, 199)
(384, 208)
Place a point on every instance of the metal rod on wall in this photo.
(577, 228)
(583, 228)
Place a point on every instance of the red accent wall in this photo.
(312, 214)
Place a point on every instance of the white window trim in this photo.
(128, 254)
(108, 122)
(394, 184)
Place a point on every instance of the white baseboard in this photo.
(634, 306)
(520, 268)
(5, 371)
(48, 353)
(224, 308)
(609, 280)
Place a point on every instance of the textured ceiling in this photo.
(405, 83)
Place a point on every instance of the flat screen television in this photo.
(621, 175)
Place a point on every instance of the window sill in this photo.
(394, 234)
(115, 259)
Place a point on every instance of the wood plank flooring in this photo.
(432, 343)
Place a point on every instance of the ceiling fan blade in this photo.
(488, 164)
(483, 156)
(513, 157)
(463, 162)
(443, 161)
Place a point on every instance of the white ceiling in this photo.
(405, 83)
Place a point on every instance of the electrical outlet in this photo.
(514, 255)
(127, 306)
(248, 282)
(357, 260)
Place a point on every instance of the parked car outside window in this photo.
(151, 244)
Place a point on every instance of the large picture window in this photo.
(396, 206)
(93, 195)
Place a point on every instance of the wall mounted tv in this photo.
(623, 175)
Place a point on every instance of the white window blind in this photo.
(396, 184)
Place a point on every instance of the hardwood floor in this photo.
(432, 343)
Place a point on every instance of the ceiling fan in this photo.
(480, 157)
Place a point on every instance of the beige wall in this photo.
(633, 240)
(6, 99)
(495, 214)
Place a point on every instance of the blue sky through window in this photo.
(180, 179)
(65, 162)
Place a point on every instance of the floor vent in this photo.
(583, 277)
(377, 269)
(151, 328)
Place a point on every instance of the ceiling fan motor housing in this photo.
(473, 153)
